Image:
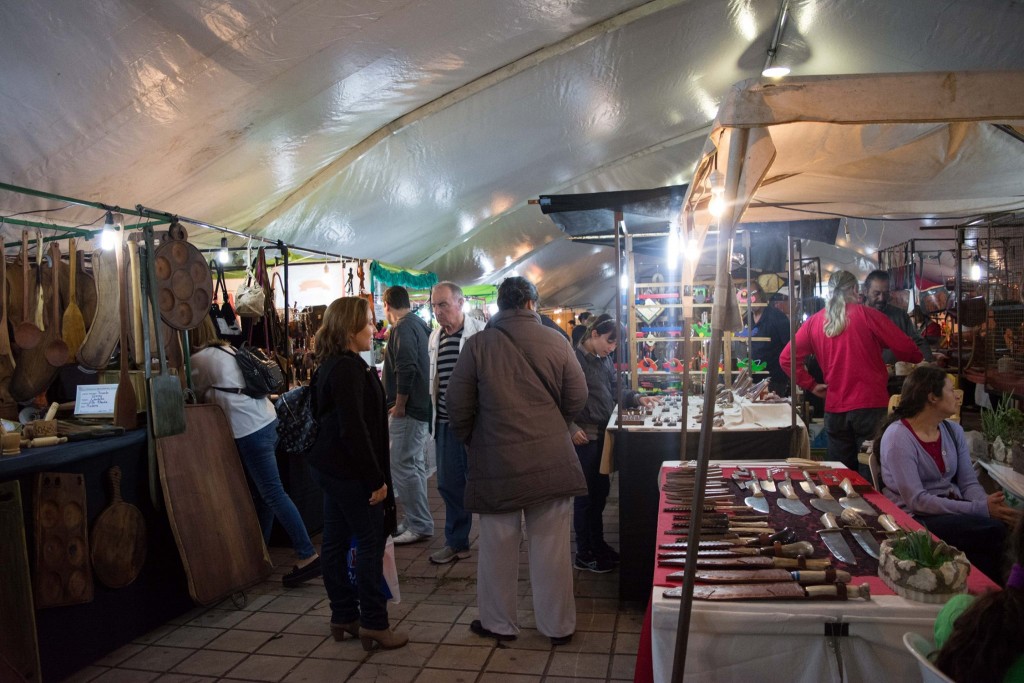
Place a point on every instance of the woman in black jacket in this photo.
(351, 463)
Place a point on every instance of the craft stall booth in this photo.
(932, 147)
(109, 482)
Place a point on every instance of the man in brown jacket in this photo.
(510, 399)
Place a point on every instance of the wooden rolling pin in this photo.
(41, 441)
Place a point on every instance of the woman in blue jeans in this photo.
(351, 462)
(218, 379)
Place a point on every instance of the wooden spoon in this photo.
(74, 322)
(56, 350)
(26, 334)
(5, 341)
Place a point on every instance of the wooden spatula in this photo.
(74, 323)
(125, 401)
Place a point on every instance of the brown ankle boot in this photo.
(385, 639)
(339, 630)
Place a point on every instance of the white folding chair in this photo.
(920, 647)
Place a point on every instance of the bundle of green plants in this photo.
(919, 546)
(1005, 421)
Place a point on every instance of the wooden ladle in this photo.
(56, 350)
(26, 334)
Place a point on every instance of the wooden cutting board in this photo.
(18, 645)
(105, 327)
(63, 573)
(210, 508)
(118, 538)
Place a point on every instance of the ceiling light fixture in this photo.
(716, 206)
(771, 70)
(111, 224)
(223, 256)
(976, 268)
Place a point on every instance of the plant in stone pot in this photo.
(918, 567)
(1003, 427)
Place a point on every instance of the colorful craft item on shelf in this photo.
(647, 364)
(702, 329)
(753, 365)
(704, 365)
(673, 365)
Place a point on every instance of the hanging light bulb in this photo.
(223, 255)
(976, 268)
(327, 268)
(717, 204)
(111, 224)
(623, 282)
(692, 252)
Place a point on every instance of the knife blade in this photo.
(866, 539)
(756, 501)
(775, 591)
(807, 484)
(768, 483)
(751, 561)
(790, 503)
(832, 536)
(800, 548)
(733, 576)
(854, 499)
(825, 502)
(785, 536)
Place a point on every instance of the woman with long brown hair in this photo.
(927, 471)
(351, 463)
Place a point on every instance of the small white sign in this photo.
(95, 400)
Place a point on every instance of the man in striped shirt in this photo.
(444, 347)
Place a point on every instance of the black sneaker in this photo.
(593, 563)
(478, 628)
(299, 575)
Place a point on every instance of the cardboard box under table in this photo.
(792, 640)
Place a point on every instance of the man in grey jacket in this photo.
(876, 295)
(445, 345)
(405, 381)
(511, 398)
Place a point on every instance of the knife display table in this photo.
(74, 636)
(791, 640)
(638, 453)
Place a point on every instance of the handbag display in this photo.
(228, 325)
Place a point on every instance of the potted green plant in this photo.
(1003, 427)
(918, 567)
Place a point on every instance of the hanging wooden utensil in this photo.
(183, 283)
(135, 300)
(6, 357)
(40, 319)
(118, 538)
(56, 350)
(74, 323)
(125, 400)
(102, 336)
(26, 334)
(167, 402)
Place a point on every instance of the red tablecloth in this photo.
(865, 572)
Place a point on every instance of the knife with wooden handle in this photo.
(787, 535)
(798, 549)
(774, 591)
(854, 499)
(805, 578)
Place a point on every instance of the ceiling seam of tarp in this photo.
(536, 58)
(683, 138)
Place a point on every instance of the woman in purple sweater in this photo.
(926, 470)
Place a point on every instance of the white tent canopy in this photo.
(416, 131)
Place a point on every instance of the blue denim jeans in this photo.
(588, 510)
(452, 469)
(257, 453)
(348, 514)
(409, 471)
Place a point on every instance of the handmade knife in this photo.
(790, 503)
(832, 535)
(854, 499)
(798, 549)
(805, 578)
(787, 535)
(755, 561)
(768, 483)
(775, 591)
(756, 501)
(888, 522)
(825, 502)
(736, 530)
(807, 484)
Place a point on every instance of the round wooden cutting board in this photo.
(118, 538)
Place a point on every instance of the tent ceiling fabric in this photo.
(415, 131)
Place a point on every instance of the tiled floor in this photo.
(281, 634)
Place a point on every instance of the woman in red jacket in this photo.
(847, 339)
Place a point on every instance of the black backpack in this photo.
(262, 375)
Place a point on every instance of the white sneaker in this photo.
(409, 536)
(446, 555)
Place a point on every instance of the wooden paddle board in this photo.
(63, 573)
(118, 538)
(18, 645)
(210, 508)
(104, 330)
